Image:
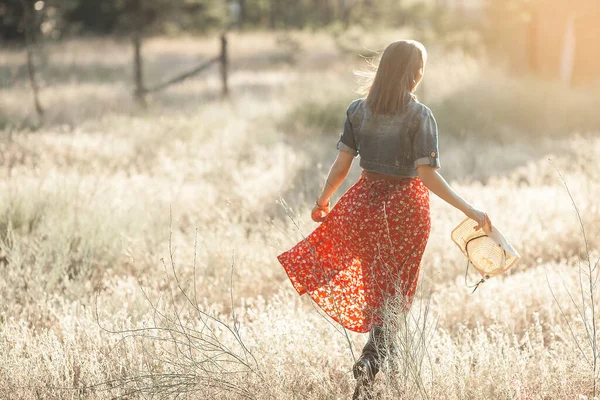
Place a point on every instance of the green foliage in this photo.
(156, 15)
(57, 17)
(173, 16)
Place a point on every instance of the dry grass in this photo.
(86, 198)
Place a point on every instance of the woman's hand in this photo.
(337, 173)
(480, 217)
(319, 213)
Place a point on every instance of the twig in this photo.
(193, 359)
(589, 326)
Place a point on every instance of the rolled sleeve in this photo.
(425, 141)
(346, 141)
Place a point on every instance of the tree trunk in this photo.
(243, 13)
(344, 12)
(29, 20)
(327, 12)
(273, 11)
(140, 91)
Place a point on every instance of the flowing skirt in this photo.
(367, 251)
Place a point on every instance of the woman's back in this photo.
(391, 144)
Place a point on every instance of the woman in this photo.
(368, 249)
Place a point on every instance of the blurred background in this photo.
(150, 47)
(548, 38)
(153, 147)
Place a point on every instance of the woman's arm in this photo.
(436, 183)
(337, 173)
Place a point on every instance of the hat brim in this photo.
(500, 240)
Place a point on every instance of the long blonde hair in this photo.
(390, 87)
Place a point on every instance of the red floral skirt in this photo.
(368, 250)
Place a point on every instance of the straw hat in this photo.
(489, 252)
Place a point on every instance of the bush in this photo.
(496, 104)
(312, 117)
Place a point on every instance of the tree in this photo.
(514, 23)
(30, 29)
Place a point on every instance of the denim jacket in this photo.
(393, 145)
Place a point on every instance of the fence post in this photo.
(137, 68)
(224, 66)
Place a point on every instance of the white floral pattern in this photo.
(368, 248)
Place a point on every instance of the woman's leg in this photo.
(369, 363)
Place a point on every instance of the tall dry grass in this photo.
(93, 197)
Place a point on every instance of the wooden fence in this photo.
(141, 90)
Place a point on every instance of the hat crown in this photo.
(488, 251)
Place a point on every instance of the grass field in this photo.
(138, 246)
